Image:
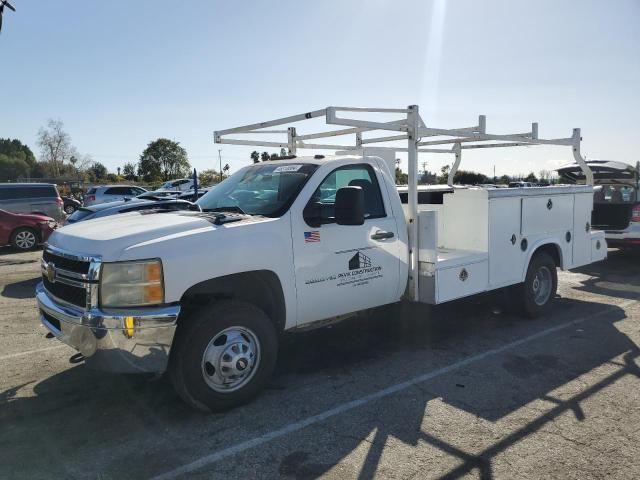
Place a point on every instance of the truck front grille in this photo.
(77, 266)
(70, 278)
(68, 293)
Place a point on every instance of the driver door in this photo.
(341, 269)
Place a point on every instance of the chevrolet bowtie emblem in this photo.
(51, 272)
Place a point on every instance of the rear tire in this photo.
(69, 209)
(24, 239)
(540, 285)
(223, 355)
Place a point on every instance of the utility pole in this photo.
(220, 159)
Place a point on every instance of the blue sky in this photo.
(120, 74)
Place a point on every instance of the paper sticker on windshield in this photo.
(287, 168)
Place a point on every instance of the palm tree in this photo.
(255, 156)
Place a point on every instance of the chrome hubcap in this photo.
(542, 285)
(25, 239)
(231, 359)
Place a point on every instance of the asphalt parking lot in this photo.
(464, 390)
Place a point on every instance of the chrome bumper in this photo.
(105, 340)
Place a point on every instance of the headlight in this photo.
(52, 224)
(126, 284)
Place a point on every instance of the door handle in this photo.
(381, 235)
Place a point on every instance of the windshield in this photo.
(259, 189)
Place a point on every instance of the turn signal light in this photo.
(153, 293)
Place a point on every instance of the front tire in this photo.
(540, 285)
(24, 239)
(69, 209)
(223, 355)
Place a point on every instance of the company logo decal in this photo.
(361, 271)
(51, 272)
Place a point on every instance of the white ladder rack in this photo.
(410, 127)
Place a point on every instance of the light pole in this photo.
(220, 159)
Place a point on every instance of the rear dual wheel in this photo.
(223, 355)
(540, 285)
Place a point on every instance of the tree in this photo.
(401, 177)
(11, 168)
(463, 177)
(129, 171)
(255, 156)
(531, 178)
(163, 159)
(444, 175)
(427, 178)
(264, 156)
(16, 149)
(208, 177)
(55, 145)
(98, 170)
(225, 169)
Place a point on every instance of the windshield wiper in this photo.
(233, 208)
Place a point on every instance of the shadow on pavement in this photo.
(615, 277)
(79, 413)
(23, 289)
(6, 251)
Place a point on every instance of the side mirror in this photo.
(349, 206)
(312, 215)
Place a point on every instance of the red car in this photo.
(24, 231)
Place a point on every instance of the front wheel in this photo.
(540, 285)
(24, 239)
(69, 209)
(223, 355)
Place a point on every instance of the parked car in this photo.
(37, 198)
(520, 185)
(70, 205)
(182, 184)
(156, 195)
(113, 208)
(616, 199)
(192, 196)
(111, 193)
(24, 231)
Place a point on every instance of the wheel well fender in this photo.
(261, 288)
(552, 248)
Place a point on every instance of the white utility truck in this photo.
(302, 241)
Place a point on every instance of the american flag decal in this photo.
(313, 236)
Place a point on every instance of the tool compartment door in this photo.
(582, 229)
(461, 281)
(547, 214)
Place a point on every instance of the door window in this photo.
(322, 203)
